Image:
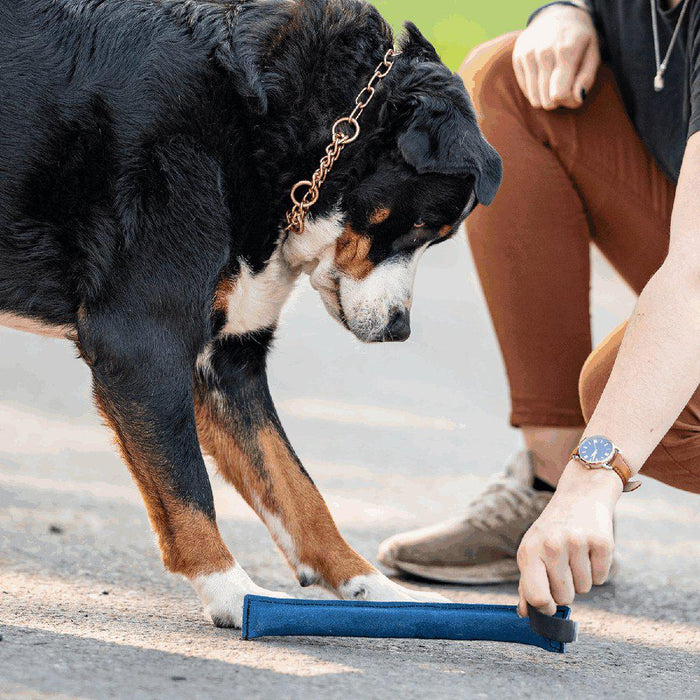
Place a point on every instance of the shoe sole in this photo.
(503, 571)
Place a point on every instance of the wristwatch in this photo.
(597, 452)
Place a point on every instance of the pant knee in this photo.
(488, 74)
(596, 371)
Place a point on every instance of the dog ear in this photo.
(442, 136)
(413, 44)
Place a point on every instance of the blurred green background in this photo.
(456, 26)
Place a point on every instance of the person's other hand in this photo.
(556, 58)
(569, 548)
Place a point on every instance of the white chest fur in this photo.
(256, 300)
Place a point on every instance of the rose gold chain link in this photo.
(344, 131)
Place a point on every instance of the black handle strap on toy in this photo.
(557, 629)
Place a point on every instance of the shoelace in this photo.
(488, 508)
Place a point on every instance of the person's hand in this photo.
(556, 58)
(570, 546)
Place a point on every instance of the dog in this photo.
(148, 149)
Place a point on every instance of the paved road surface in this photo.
(395, 436)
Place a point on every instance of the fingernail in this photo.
(583, 94)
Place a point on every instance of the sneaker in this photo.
(480, 547)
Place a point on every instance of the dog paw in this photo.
(223, 593)
(376, 586)
(229, 613)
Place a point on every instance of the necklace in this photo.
(662, 65)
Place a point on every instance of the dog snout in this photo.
(399, 326)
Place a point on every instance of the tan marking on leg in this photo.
(223, 291)
(192, 545)
(217, 441)
(189, 540)
(379, 215)
(306, 517)
(351, 252)
(310, 539)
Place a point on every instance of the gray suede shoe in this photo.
(481, 546)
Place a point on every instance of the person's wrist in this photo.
(602, 484)
(564, 7)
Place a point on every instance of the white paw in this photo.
(222, 594)
(376, 586)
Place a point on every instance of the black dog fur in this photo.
(148, 147)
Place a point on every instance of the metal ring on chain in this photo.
(302, 183)
(345, 138)
(295, 216)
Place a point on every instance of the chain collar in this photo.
(344, 131)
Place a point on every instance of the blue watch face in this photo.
(596, 450)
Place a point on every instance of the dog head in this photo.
(418, 169)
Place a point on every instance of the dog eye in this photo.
(419, 223)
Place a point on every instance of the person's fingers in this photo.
(543, 75)
(545, 65)
(534, 584)
(561, 582)
(561, 82)
(601, 554)
(522, 603)
(531, 88)
(580, 565)
(585, 76)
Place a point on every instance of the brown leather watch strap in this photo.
(623, 471)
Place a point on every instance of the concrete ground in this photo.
(396, 437)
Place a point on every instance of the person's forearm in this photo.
(657, 369)
(570, 546)
(655, 374)
(658, 366)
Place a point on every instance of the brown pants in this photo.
(570, 177)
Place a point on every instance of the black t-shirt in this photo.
(664, 120)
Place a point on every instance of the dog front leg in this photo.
(238, 425)
(143, 386)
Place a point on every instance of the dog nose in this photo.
(399, 326)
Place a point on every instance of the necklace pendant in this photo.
(659, 82)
